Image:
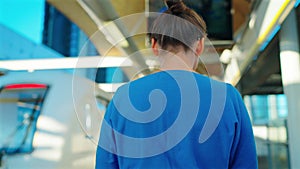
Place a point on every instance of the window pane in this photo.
(20, 106)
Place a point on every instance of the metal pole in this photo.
(290, 70)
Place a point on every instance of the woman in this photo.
(176, 118)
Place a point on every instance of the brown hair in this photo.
(177, 26)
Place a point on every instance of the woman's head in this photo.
(178, 27)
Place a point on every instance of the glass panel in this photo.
(282, 106)
(259, 107)
(269, 114)
(216, 13)
(20, 106)
(278, 156)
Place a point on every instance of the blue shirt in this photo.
(176, 119)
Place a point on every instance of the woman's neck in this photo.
(180, 61)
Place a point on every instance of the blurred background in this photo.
(62, 61)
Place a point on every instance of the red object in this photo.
(25, 86)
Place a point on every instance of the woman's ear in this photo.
(154, 46)
(200, 47)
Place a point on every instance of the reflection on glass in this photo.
(269, 113)
(20, 106)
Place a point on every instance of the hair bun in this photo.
(175, 6)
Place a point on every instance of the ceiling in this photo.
(263, 76)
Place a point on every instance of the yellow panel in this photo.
(127, 7)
